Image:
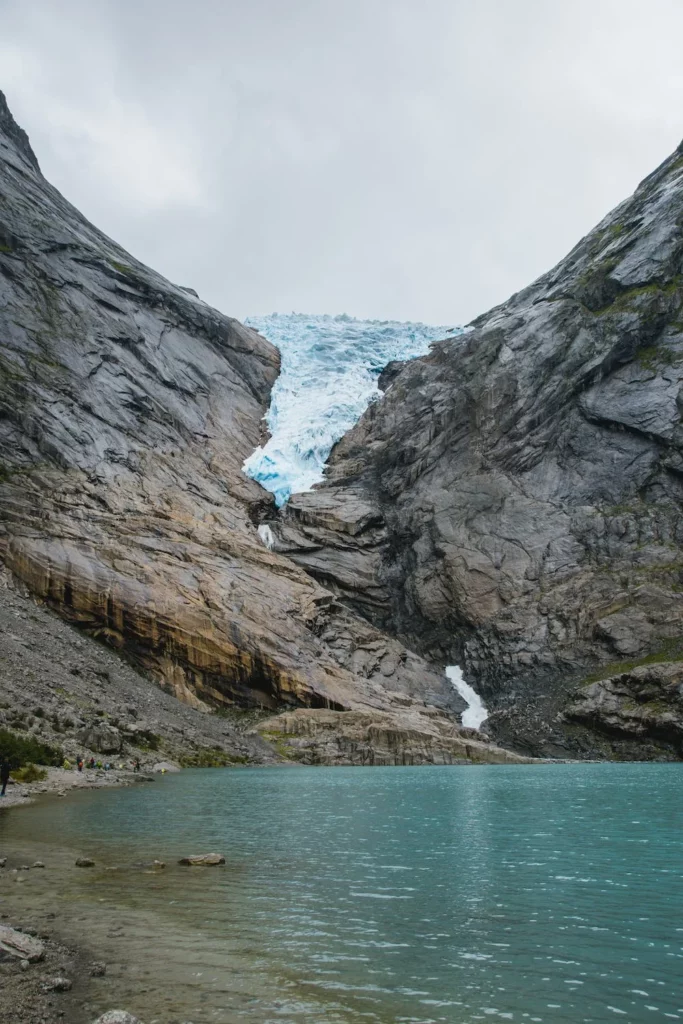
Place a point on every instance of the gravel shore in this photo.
(60, 780)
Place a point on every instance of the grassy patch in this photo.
(279, 741)
(121, 268)
(147, 741)
(672, 650)
(211, 757)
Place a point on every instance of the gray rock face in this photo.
(514, 501)
(127, 408)
(644, 702)
(102, 737)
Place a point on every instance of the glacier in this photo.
(329, 371)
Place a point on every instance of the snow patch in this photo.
(475, 713)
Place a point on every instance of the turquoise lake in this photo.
(544, 893)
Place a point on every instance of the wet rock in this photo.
(85, 862)
(3, 862)
(98, 970)
(25, 964)
(203, 860)
(38, 864)
(58, 985)
(117, 1017)
(19, 944)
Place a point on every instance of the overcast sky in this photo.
(406, 159)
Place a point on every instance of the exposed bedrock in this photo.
(514, 501)
(127, 407)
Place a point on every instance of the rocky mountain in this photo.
(514, 502)
(127, 407)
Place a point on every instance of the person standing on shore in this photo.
(5, 769)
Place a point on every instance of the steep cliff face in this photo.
(127, 407)
(514, 501)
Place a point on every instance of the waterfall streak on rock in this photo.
(476, 714)
(266, 536)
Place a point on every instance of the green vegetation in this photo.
(29, 773)
(146, 740)
(624, 302)
(21, 750)
(279, 741)
(211, 757)
(121, 267)
(654, 356)
(671, 650)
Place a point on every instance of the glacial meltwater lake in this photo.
(545, 893)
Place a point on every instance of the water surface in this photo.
(545, 893)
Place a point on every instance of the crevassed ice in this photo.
(475, 714)
(330, 366)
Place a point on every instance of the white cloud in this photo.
(379, 157)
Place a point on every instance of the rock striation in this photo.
(127, 407)
(642, 703)
(513, 504)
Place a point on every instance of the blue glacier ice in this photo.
(330, 367)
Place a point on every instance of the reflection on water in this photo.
(549, 893)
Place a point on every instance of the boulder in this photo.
(203, 860)
(85, 862)
(58, 985)
(101, 737)
(20, 945)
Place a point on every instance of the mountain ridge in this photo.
(127, 408)
(521, 487)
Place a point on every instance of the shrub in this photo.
(210, 757)
(21, 750)
(147, 740)
(29, 773)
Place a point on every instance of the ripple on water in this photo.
(310, 921)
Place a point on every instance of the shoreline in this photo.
(31, 992)
(61, 781)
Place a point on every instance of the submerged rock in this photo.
(203, 860)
